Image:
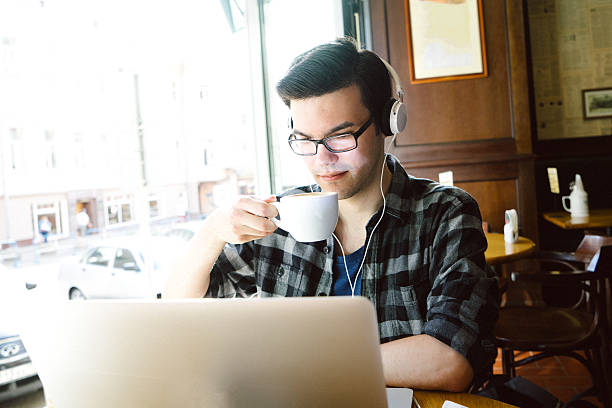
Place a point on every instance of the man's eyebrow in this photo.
(341, 126)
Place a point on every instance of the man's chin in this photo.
(332, 188)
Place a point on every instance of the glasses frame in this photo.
(356, 134)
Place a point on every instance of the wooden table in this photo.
(435, 399)
(499, 252)
(601, 218)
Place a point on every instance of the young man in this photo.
(424, 268)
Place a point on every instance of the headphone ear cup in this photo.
(397, 117)
(385, 122)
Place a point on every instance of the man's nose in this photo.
(325, 156)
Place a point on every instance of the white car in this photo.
(121, 268)
(184, 230)
(17, 375)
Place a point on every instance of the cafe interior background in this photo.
(149, 114)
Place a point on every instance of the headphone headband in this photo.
(394, 114)
(396, 80)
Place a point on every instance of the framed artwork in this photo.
(445, 40)
(597, 103)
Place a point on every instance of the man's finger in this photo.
(248, 231)
(257, 224)
(257, 207)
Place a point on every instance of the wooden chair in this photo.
(553, 330)
(590, 244)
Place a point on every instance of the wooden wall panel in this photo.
(467, 172)
(478, 128)
(475, 109)
(493, 198)
(493, 185)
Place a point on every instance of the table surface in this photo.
(435, 399)
(601, 218)
(499, 252)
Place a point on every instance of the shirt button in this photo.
(322, 294)
(280, 272)
(326, 250)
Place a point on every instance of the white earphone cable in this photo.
(348, 276)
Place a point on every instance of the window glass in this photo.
(285, 37)
(124, 259)
(146, 114)
(113, 214)
(101, 256)
(85, 256)
(118, 210)
(124, 98)
(154, 208)
(126, 212)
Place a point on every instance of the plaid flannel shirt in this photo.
(425, 270)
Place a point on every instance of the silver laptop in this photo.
(281, 352)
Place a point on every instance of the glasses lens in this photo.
(303, 146)
(341, 142)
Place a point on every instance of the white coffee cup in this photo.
(308, 217)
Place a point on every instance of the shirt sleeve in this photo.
(462, 306)
(233, 274)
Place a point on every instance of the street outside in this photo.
(33, 400)
(39, 265)
(97, 134)
(40, 268)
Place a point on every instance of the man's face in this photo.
(331, 114)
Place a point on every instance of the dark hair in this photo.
(336, 65)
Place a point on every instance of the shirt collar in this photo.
(399, 189)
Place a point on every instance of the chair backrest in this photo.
(602, 261)
(597, 256)
(590, 244)
(602, 264)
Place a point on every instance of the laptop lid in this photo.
(285, 352)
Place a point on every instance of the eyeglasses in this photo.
(335, 144)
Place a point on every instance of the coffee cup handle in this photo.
(565, 207)
(277, 222)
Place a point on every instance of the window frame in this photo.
(119, 201)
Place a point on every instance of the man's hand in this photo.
(247, 220)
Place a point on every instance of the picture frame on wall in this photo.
(597, 103)
(445, 40)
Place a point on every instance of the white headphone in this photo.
(394, 115)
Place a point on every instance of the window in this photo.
(154, 211)
(52, 215)
(101, 256)
(118, 210)
(16, 151)
(125, 260)
(113, 214)
(78, 152)
(126, 212)
(113, 102)
(50, 160)
(86, 255)
(319, 21)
